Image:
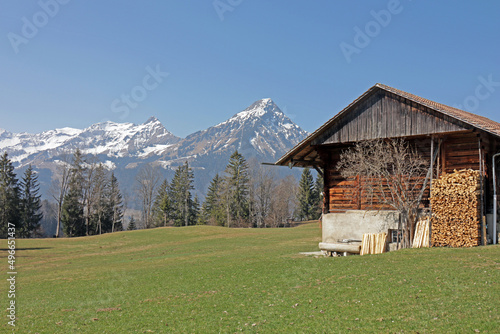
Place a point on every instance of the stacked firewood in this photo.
(373, 243)
(421, 238)
(455, 199)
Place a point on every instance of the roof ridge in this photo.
(480, 122)
(475, 120)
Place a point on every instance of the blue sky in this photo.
(74, 63)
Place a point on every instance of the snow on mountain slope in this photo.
(108, 138)
(261, 129)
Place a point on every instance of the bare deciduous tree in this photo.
(147, 180)
(263, 184)
(89, 184)
(274, 200)
(392, 174)
(59, 186)
(284, 201)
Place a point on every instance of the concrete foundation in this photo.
(352, 224)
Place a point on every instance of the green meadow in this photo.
(205, 279)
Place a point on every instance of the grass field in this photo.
(206, 279)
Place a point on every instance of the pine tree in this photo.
(72, 209)
(195, 211)
(181, 198)
(115, 204)
(100, 204)
(213, 207)
(318, 197)
(30, 203)
(236, 188)
(131, 224)
(306, 196)
(161, 206)
(9, 196)
(78, 169)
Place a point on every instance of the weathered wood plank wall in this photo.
(385, 115)
(458, 151)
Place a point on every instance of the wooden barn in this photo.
(458, 139)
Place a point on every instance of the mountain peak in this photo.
(266, 101)
(152, 119)
(258, 109)
(261, 130)
(265, 104)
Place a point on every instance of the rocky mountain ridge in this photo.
(261, 132)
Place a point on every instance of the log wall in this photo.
(457, 151)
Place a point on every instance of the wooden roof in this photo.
(397, 114)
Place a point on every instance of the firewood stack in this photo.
(455, 199)
(373, 243)
(421, 238)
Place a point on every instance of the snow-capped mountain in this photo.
(261, 131)
(116, 140)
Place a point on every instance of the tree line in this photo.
(87, 199)
(238, 197)
(87, 196)
(19, 200)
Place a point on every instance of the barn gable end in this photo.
(385, 115)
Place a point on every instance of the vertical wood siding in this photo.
(385, 115)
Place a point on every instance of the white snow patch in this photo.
(154, 149)
(110, 165)
(68, 131)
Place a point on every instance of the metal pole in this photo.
(430, 189)
(495, 200)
